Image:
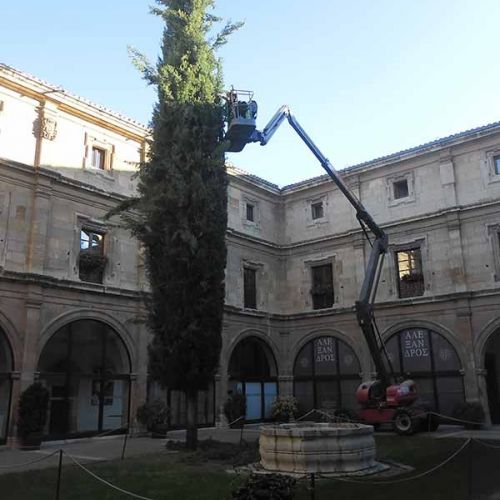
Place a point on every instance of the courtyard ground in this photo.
(152, 471)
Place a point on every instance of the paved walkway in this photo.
(85, 451)
(94, 450)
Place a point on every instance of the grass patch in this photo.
(210, 450)
(202, 475)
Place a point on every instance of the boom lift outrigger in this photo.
(383, 400)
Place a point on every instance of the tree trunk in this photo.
(192, 413)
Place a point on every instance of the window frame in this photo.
(412, 271)
(396, 190)
(97, 275)
(328, 300)
(396, 178)
(250, 300)
(102, 158)
(100, 143)
(315, 213)
(249, 210)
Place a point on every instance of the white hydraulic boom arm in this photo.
(364, 305)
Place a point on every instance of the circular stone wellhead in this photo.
(309, 447)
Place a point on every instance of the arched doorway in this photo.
(431, 361)
(492, 366)
(86, 368)
(6, 367)
(326, 375)
(252, 371)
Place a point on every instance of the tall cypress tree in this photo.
(180, 211)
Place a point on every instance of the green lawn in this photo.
(202, 475)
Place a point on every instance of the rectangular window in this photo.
(250, 212)
(91, 261)
(98, 158)
(249, 288)
(400, 189)
(317, 210)
(322, 286)
(410, 276)
(496, 163)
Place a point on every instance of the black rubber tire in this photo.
(403, 423)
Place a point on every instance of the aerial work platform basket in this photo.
(241, 119)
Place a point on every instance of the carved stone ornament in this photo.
(49, 129)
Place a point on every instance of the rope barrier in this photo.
(236, 420)
(471, 422)
(306, 415)
(13, 466)
(413, 417)
(95, 476)
(412, 478)
(487, 445)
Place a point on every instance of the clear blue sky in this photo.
(365, 78)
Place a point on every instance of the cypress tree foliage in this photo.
(180, 211)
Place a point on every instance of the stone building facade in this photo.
(71, 281)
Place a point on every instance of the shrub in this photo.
(284, 408)
(472, 414)
(153, 415)
(235, 406)
(266, 487)
(92, 261)
(32, 412)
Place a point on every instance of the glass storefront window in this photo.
(86, 369)
(252, 371)
(431, 361)
(326, 375)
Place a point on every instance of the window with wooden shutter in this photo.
(322, 286)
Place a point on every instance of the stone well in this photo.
(308, 447)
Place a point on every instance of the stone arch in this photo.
(86, 364)
(252, 369)
(7, 366)
(487, 354)
(250, 332)
(12, 336)
(430, 355)
(486, 333)
(326, 370)
(89, 314)
(322, 332)
(430, 325)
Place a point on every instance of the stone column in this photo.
(463, 331)
(39, 219)
(285, 385)
(30, 340)
(483, 393)
(455, 256)
(15, 393)
(221, 388)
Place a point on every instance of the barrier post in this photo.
(124, 445)
(59, 471)
(312, 487)
(241, 432)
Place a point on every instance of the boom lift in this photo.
(384, 400)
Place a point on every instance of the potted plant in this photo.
(234, 408)
(32, 415)
(91, 265)
(154, 416)
(471, 414)
(284, 408)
